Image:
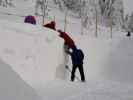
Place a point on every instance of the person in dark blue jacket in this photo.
(77, 57)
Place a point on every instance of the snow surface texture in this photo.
(35, 52)
(91, 90)
(12, 87)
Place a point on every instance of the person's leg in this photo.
(73, 72)
(81, 72)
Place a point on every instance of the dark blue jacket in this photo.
(77, 57)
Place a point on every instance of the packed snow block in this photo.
(12, 87)
(37, 52)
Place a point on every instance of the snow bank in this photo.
(35, 52)
(12, 87)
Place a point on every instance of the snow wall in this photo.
(12, 87)
(34, 52)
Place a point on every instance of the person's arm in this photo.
(68, 52)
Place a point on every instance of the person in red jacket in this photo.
(51, 25)
(68, 41)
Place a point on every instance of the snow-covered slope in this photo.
(12, 87)
(35, 52)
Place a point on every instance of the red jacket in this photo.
(68, 40)
(50, 25)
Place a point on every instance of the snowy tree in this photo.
(60, 4)
(74, 6)
(128, 25)
(131, 23)
(41, 7)
(112, 9)
(6, 3)
(107, 12)
(89, 13)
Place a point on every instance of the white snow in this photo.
(93, 90)
(12, 87)
(36, 54)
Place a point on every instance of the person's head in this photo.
(30, 19)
